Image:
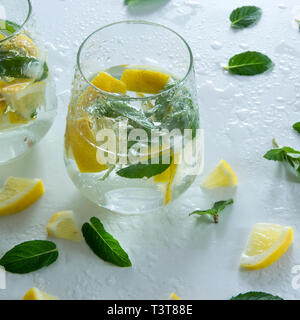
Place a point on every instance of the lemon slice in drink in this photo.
(106, 82)
(18, 194)
(80, 142)
(37, 294)
(268, 242)
(62, 225)
(222, 176)
(24, 96)
(144, 81)
(21, 44)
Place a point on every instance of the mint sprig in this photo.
(253, 295)
(245, 16)
(29, 257)
(104, 245)
(287, 155)
(215, 211)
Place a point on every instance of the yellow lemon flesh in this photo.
(18, 194)
(222, 176)
(144, 81)
(106, 82)
(62, 225)
(81, 141)
(268, 242)
(167, 177)
(37, 294)
(174, 297)
(24, 96)
(3, 107)
(22, 44)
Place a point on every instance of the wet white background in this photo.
(169, 250)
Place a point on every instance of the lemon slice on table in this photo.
(268, 242)
(144, 81)
(24, 96)
(18, 194)
(62, 225)
(222, 176)
(37, 294)
(174, 297)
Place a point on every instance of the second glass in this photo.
(133, 118)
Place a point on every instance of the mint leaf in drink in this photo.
(175, 109)
(298, 21)
(104, 245)
(285, 154)
(10, 27)
(256, 296)
(249, 63)
(215, 211)
(245, 16)
(22, 67)
(29, 257)
(140, 171)
(296, 127)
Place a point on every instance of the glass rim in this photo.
(21, 25)
(126, 98)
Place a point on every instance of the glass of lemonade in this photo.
(133, 141)
(27, 94)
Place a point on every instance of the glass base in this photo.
(17, 141)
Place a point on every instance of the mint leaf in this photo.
(140, 171)
(296, 127)
(215, 211)
(9, 26)
(244, 17)
(29, 257)
(256, 296)
(298, 21)
(285, 154)
(249, 63)
(103, 244)
(22, 67)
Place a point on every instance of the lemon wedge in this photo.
(18, 194)
(81, 141)
(268, 242)
(106, 82)
(62, 225)
(174, 297)
(24, 96)
(144, 81)
(37, 294)
(222, 176)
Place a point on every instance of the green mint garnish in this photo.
(104, 245)
(29, 257)
(244, 17)
(256, 296)
(249, 63)
(215, 211)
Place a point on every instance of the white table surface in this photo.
(169, 250)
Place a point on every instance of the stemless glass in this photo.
(27, 94)
(133, 101)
